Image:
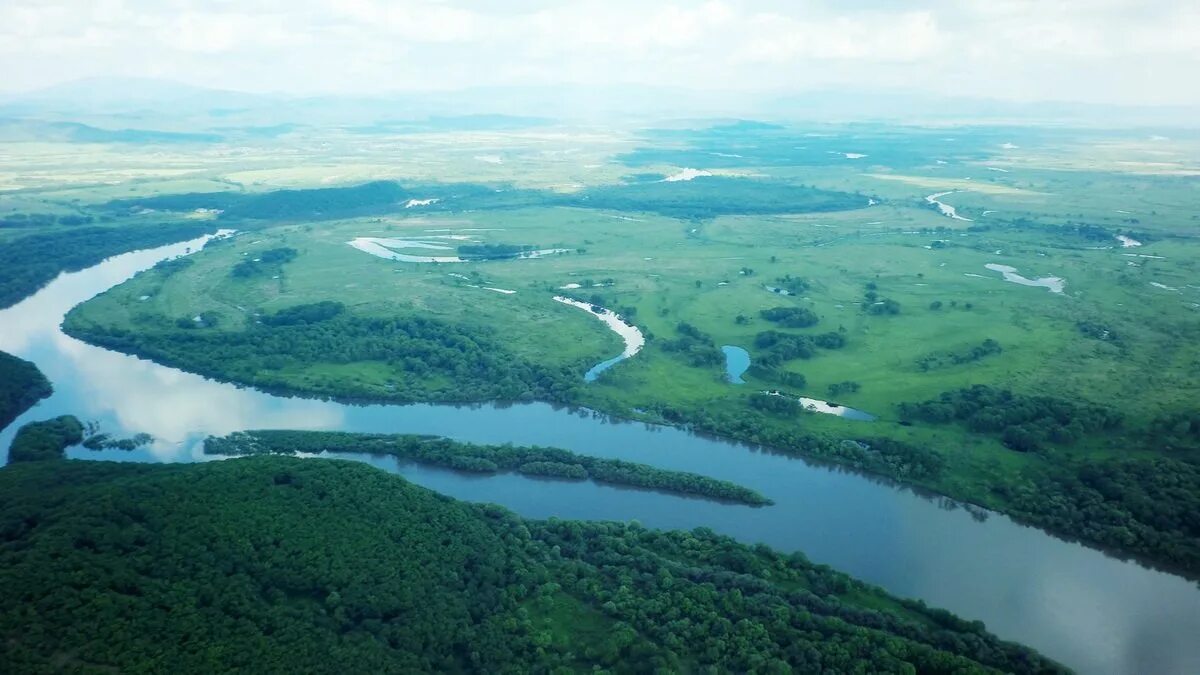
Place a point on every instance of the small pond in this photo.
(737, 361)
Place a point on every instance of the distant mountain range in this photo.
(116, 109)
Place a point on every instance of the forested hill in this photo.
(273, 564)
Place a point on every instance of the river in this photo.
(1078, 605)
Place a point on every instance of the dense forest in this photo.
(534, 461)
(367, 199)
(274, 565)
(1177, 432)
(1023, 423)
(32, 261)
(45, 440)
(705, 197)
(754, 144)
(430, 360)
(333, 202)
(711, 196)
(1150, 507)
(37, 220)
(21, 386)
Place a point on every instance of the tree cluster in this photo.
(936, 360)
(21, 386)
(712, 196)
(314, 312)
(876, 305)
(1150, 507)
(778, 347)
(425, 359)
(791, 317)
(552, 462)
(1097, 331)
(494, 251)
(793, 285)
(775, 404)
(846, 387)
(45, 440)
(32, 261)
(266, 262)
(694, 346)
(1023, 422)
(785, 378)
(22, 220)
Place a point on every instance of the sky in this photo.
(1097, 51)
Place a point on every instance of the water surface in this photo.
(1053, 284)
(737, 362)
(629, 334)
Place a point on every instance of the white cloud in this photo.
(875, 36)
(1104, 50)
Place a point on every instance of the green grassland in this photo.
(706, 268)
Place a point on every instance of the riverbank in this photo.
(1033, 496)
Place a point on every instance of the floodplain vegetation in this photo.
(1068, 403)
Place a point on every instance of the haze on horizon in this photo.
(1095, 51)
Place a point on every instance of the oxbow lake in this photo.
(737, 362)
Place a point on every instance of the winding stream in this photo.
(1053, 284)
(1078, 605)
(944, 208)
(630, 334)
(737, 362)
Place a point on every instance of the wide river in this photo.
(1090, 611)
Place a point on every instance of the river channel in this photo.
(1090, 611)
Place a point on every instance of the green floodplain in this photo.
(1018, 322)
(1014, 312)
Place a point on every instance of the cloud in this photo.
(875, 37)
(1094, 50)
